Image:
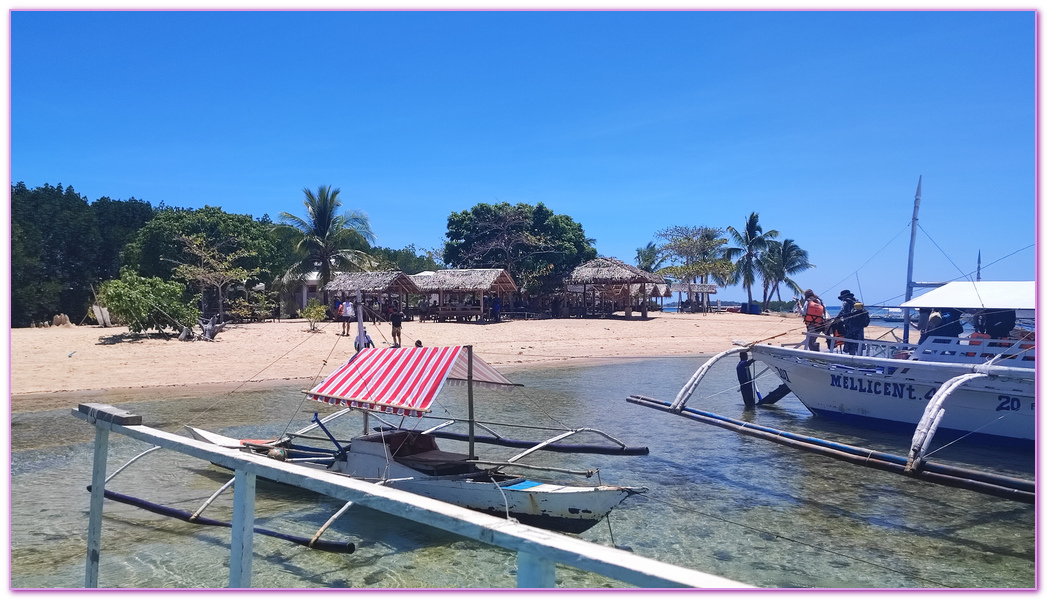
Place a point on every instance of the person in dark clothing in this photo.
(997, 323)
(746, 382)
(396, 319)
(943, 322)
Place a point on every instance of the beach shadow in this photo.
(129, 338)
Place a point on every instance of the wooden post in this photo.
(242, 545)
(94, 524)
(643, 300)
(533, 571)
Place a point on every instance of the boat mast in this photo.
(912, 248)
(360, 342)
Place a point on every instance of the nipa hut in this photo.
(612, 278)
(697, 295)
(375, 287)
(462, 294)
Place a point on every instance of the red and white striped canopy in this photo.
(401, 381)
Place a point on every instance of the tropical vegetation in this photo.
(537, 247)
(327, 239)
(161, 267)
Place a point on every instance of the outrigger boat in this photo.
(967, 386)
(977, 387)
(403, 382)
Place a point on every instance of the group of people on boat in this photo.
(849, 323)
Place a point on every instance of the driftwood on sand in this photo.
(210, 327)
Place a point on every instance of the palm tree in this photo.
(778, 262)
(750, 243)
(323, 241)
(648, 259)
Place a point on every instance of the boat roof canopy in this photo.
(975, 295)
(402, 381)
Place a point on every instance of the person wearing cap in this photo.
(852, 320)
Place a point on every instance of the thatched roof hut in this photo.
(612, 277)
(699, 290)
(611, 271)
(373, 282)
(497, 281)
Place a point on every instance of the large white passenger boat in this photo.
(966, 386)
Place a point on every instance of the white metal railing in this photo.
(1002, 352)
(537, 550)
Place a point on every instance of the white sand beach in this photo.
(90, 358)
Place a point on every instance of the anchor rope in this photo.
(794, 540)
(222, 397)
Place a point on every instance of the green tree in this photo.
(148, 303)
(212, 267)
(649, 258)
(696, 254)
(326, 240)
(157, 248)
(777, 263)
(750, 242)
(118, 223)
(54, 245)
(410, 260)
(536, 246)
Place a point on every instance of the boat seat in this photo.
(438, 462)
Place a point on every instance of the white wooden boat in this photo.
(404, 382)
(986, 386)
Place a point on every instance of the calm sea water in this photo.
(739, 507)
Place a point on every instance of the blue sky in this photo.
(822, 122)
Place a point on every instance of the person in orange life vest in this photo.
(813, 311)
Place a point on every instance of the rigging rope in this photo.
(223, 397)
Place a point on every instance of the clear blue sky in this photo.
(822, 122)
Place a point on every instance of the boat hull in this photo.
(566, 508)
(893, 394)
(571, 509)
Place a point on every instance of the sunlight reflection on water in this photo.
(738, 507)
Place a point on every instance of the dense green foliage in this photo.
(61, 245)
(63, 248)
(148, 303)
(696, 254)
(537, 247)
(158, 248)
(410, 260)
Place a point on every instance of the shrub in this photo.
(148, 303)
(314, 312)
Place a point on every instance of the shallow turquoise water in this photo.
(739, 507)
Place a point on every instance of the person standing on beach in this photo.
(813, 311)
(397, 321)
(346, 315)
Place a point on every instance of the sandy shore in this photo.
(90, 358)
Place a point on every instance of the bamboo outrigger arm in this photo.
(932, 416)
(692, 383)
